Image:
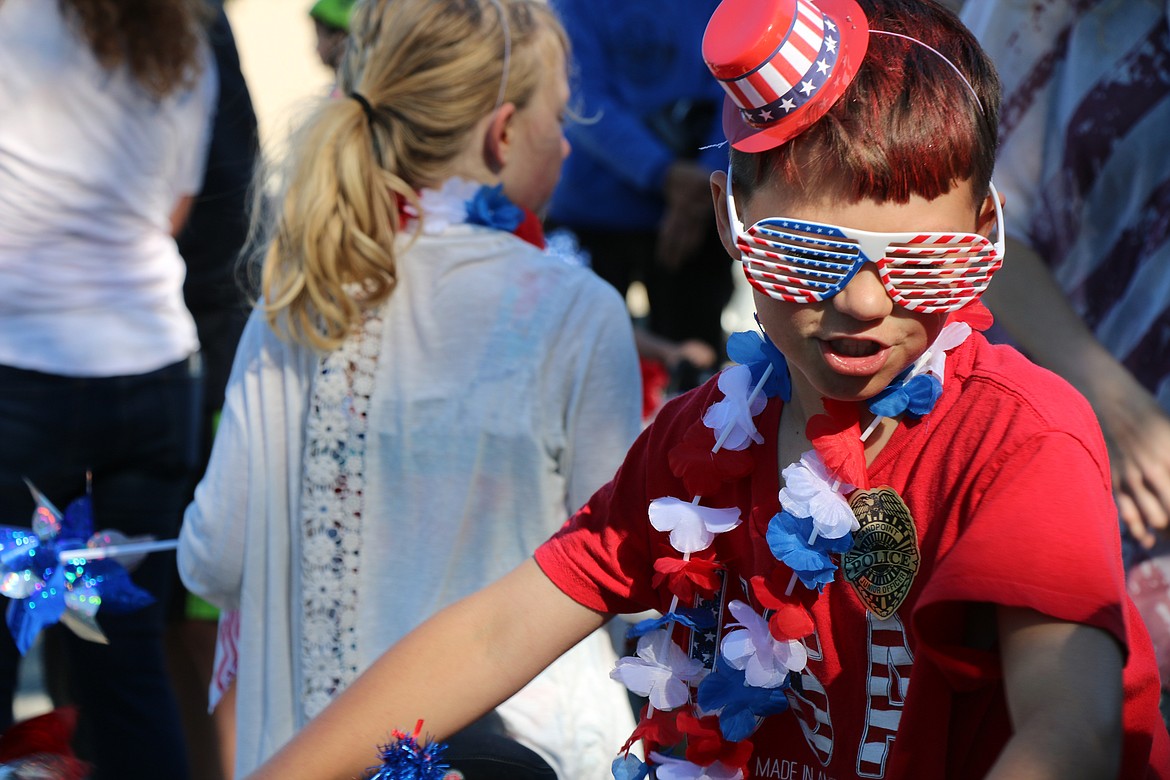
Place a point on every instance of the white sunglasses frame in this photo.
(871, 244)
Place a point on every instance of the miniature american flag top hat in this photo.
(783, 63)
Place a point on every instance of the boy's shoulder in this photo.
(997, 405)
(997, 380)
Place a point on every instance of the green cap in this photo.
(333, 13)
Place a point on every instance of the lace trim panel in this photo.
(331, 514)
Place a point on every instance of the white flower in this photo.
(351, 541)
(319, 550)
(664, 681)
(446, 205)
(934, 360)
(363, 385)
(330, 387)
(809, 491)
(321, 470)
(326, 424)
(731, 418)
(670, 768)
(692, 527)
(764, 661)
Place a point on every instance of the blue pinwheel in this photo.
(46, 587)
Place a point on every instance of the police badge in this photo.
(884, 558)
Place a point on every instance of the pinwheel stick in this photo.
(113, 550)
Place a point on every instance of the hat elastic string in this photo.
(942, 57)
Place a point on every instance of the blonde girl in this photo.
(423, 395)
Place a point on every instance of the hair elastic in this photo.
(371, 120)
(367, 109)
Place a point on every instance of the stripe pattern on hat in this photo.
(793, 74)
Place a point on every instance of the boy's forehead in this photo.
(951, 211)
(824, 196)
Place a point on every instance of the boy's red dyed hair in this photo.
(907, 124)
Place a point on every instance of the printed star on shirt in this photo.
(787, 104)
(823, 66)
(807, 87)
(831, 44)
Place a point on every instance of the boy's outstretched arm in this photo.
(450, 670)
(1064, 694)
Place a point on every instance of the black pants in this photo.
(139, 437)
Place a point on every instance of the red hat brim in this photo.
(854, 29)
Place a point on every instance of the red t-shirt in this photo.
(1008, 486)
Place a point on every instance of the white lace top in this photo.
(350, 497)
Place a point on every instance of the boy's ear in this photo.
(986, 222)
(722, 218)
(498, 143)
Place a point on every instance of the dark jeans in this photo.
(138, 435)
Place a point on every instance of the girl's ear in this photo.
(499, 138)
(722, 218)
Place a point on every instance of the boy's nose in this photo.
(865, 297)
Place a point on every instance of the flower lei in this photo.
(458, 201)
(757, 659)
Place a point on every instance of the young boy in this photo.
(932, 587)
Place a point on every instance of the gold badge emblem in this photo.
(884, 558)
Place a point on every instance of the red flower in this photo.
(658, 730)
(706, 745)
(702, 471)
(974, 314)
(790, 618)
(686, 579)
(836, 436)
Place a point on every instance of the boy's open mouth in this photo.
(854, 347)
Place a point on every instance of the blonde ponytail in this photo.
(429, 71)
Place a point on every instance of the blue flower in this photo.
(740, 706)
(694, 619)
(757, 352)
(491, 207)
(629, 767)
(788, 537)
(915, 397)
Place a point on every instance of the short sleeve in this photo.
(1043, 536)
(603, 557)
